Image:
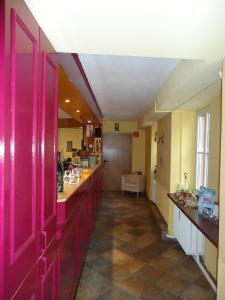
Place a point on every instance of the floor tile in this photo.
(115, 256)
(128, 248)
(93, 287)
(155, 293)
(115, 273)
(98, 264)
(202, 294)
(202, 282)
(116, 293)
(133, 285)
(148, 274)
(172, 284)
(127, 260)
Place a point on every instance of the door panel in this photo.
(21, 152)
(69, 262)
(48, 149)
(48, 278)
(117, 154)
(28, 290)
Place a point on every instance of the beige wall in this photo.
(213, 178)
(69, 134)
(151, 157)
(221, 259)
(138, 144)
(174, 157)
(178, 155)
(148, 145)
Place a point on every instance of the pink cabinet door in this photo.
(69, 262)
(48, 148)
(48, 273)
(29, 289)
(21, 153)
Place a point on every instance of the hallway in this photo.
(127, 260)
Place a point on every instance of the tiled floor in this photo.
(127, 260)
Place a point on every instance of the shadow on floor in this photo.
(127, 260)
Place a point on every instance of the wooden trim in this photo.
(209, 229)
(68, 123)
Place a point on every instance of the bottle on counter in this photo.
(60, 182)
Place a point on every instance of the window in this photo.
(202, 149)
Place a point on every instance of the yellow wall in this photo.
(153, 153)
(174, 157)
(213, 178)
(138, 144)
(69, 134)
(178, 155)
(148, 145)
(221, 260)
(163, 166)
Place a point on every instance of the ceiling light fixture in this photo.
(77, 110)
(89, 121)
(67, 100)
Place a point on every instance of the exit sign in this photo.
(136, 134)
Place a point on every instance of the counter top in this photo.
(70, 189)
(209, 229)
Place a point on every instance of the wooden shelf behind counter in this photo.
(209, 229)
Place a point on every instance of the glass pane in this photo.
(200, 170)
(201, 133)
(207, 133)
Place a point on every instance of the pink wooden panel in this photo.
(48, 278)
(2, 138)
(48, 150)
(28, 290)
(69, 262)
(21, 155)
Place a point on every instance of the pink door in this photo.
(29, 289)
(69, 262)
(48, 144)
(21, 140)
(48, 272)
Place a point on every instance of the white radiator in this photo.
(190, 238)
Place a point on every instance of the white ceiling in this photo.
(125, 86)
(191, 29)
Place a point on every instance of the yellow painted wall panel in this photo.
(221, 260)
(69, 134)
(162, 201)
(148, 145)
(164, 152)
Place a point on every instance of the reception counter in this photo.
(70, 189)
(77, 208)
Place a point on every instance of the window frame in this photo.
(205, 152)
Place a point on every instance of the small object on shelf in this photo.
(185, 195)
(206, 202)
(59, 175)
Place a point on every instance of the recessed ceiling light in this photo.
(77, 110)
(67, 100)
